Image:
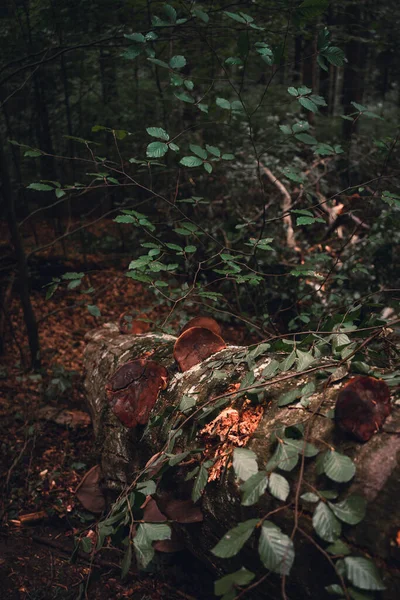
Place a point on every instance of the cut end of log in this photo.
(133, 390)
(362, 407)
(195, 345)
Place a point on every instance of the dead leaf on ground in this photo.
(72, 418)
(89, 492)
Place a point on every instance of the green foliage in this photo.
(234, 539)
(236, 113)
(276, 549)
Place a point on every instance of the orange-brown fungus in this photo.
(195, 345)
(233, 428)
(362, 407)
(133, 389)
(206, 322)
(136, 325)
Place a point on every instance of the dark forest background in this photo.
(292, 216)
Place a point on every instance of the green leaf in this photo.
(285, 458)
(293, 91)
(223, 103)
(235, 17)
(74, 284)
(40, 187)
(334, 55)
(158, 132)
(176, 79)
(200, 483)
(318, 100)
(338, 467)
(146, 534)
(289, 397)
(190, 249)
(135, 37)
(174, 247)
(351, 510)
(309, 497)
(202, 107)
(227, 157)
(170, 12)
(191, 161)
(147, 487)
(198, 150)
(94, 310)
(207, 167)
(308, 104)
(177, 62)
(306, 138)
(334, 589)
(285, 129)
(156, 149)
(125, 219)
(253, 488)
(72, 275)
(184, 97)
(329, 494)
(293, 174)
(229, 582)
(33, 153)
(234, 539)
(338, 547)
(289, 361)
(159, 63)
(244, 463)
(126, 561)
(304, 359)
(309, 450)
(213, 150)
(270, 369)
(177, 458)
(200, 14)
(233, 60)
(189, 85)
(187, 403)
(363, 573)
(276, 549)
(278, 486)
(325, 523)
(322, 62)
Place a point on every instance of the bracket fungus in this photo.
(206, 322)
(195, 345)
(133, 390)
(362, 407)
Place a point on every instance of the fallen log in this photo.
(321, 503)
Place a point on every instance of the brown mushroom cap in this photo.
(206, 322)
(195, 345)
(133, 390)
(362, 407)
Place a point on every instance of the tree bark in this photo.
(354, 70)
(23, 274)
(124, 452)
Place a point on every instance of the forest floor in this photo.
(47, 445)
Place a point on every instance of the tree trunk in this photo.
(23, 274)
(354, 70)
(124, 453)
